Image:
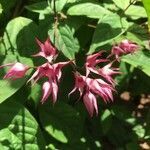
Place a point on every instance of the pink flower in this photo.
(117, 51)
(45, 70)
(101, 88)
(47, 50)
(16, 71)
(53, 73)
(107, 72)
(48, 88)
(125, 47)
(92, 61)
(90, 103)
(79, 84)
(128, 46)
(90, 88)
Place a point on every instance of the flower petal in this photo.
(47, 89)
(54, 91)
(90, 103)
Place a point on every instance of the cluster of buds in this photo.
(98, 81)
(125, 47)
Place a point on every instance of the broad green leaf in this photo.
(19, 37)
(123, 4)
(108, 28)
(40, 7)
(133, 12)
(147, 8)
(18, 128)
(65, 40)
(9, 87)
(91, 10)
(61, 121)
(140, 59)
(59, 4)
(18, 41)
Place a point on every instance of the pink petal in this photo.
(48, 51)
(57, 68)
(47, 89)
(54, 91)
(90, 103)
(36, 73)
(17, 70)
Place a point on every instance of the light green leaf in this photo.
(139, 130)
(108, 28)
(140, 59)
(19, 37)
(147, 8)
(123, 4)
(59, 4)
(91, 10)
(9, 87)
(61, 121)
(65, 40)
(40, 7)
(133, 12)
(20, 129)
(15, 45)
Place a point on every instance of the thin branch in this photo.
(55, 21)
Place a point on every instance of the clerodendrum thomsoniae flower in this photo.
(97, 81)
(90, 87)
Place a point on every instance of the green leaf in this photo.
(61, 121)
(19, 37)
(133, 12)
(20, 129)
(123, 4)
(9, 87)
(108, 28)
(65, 40)
(139, 130)
(91, 10)
(18, 41)
(40, 7)
(140, 60)
(59, 4)
(147, 8)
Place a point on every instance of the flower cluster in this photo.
(49, 70)
(98, 81)
(125, 47)
(90, 87)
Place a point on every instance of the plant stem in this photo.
(55, 21)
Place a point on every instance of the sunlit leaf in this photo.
(108, 28)
(20, 129)
(140, 59)
(91, 10)
(147, 8)
(15, 45)
(65, 40)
